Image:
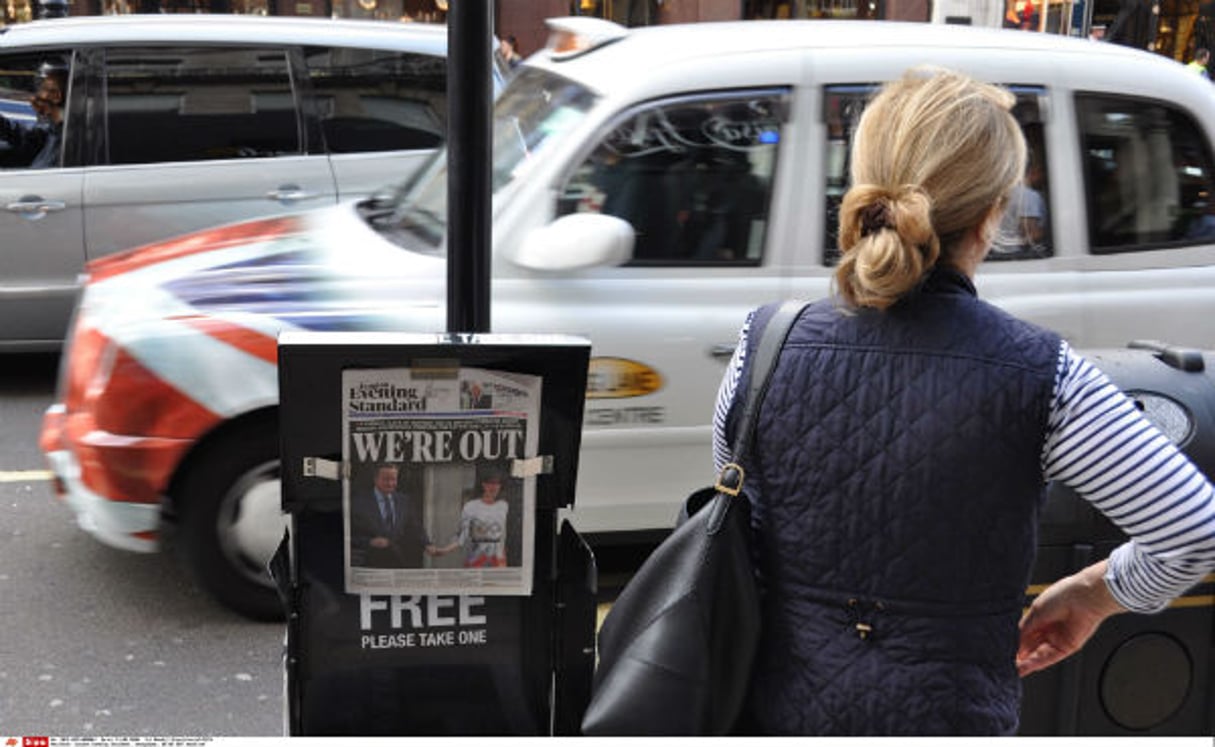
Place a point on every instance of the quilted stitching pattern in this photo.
(897, 463)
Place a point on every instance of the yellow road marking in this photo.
(1034, 590)
(1196, 601)
(28, 475)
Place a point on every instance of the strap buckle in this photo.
(730, 479)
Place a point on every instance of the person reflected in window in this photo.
(716, 198)
(633, 189)
(901, 454)
(508, 47)
(1203, 227)
(1023, 228)
(39, 146)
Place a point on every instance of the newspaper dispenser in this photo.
(418, 662)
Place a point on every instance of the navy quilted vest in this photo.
(896, 483)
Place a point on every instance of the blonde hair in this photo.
(934, 153)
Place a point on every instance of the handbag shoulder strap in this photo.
(767, 351)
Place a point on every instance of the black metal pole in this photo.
(469, 151)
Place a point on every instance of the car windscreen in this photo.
(536, 110)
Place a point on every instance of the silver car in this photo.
(176, 123)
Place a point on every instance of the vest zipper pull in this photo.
(863, 629)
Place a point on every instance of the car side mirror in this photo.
(576, 242)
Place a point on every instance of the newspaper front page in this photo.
(430, 505)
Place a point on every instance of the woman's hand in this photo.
(1062, 618)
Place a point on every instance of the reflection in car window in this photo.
(373, 100)
(693, 177)
(1025, 230)
(199, 104)
(33, 109)
(1148, 175)
(844, 105)
(536, 110)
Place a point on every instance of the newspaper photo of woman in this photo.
(483, 525)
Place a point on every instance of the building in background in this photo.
(1169, 27)
(16, 11)
(524, 19)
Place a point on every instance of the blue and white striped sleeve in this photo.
(1100, 444)
(725, 396)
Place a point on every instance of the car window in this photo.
(373, 100)
(1147, 172)
(537, 110)
(33, 109)
(181, 104)
(1025, 232)
(1025, 229)
(843, 106)
(692, 175)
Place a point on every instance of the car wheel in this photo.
(232, 521)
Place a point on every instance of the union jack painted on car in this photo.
(174, 340)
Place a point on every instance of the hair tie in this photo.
(874, 217)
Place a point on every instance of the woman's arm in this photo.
(1100, 444)
(725, 397)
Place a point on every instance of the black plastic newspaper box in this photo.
(427, 587)
(1140, 674)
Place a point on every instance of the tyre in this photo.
(232, 521)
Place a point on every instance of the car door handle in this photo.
(722, 351)
(291, 193)
(35, 208)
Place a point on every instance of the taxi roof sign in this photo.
(570, 36)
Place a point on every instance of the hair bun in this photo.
(874, 217)
(912, 218)
(877, 265)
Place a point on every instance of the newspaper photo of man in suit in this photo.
(386, 526)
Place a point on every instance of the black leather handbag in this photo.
(676, 648)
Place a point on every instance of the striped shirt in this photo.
(1099, 444)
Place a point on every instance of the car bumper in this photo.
(112, 483)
